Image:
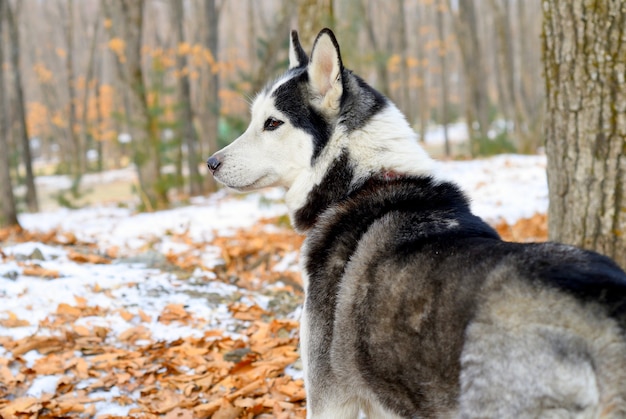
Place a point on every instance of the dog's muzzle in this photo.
(213, 163)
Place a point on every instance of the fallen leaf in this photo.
(87, 258)
(13, 321)
(21, 405)
(38, 271)
(227, 411)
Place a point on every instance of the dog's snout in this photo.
(214, 162)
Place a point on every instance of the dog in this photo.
(414, 307)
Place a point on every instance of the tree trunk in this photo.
(313, 15)
(443, 74)
(212, 101)
(31, 192)
(186, 114)
(505, 70)
(584, 65)
(403, 46)
(128, 15)
(381, 55)
(78, 153)
(8, 217)
(422, 74)
(89, 76)
(477, 101)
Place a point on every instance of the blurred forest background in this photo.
(159, 85)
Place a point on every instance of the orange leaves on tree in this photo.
(118, 45)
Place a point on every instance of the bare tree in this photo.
(530, 96)
(422, 73)
(8, 217)
(403, 46)
(186, 113)
(31, 192)
(584, 65)
(313, 15)
(78, 154)
(85, 128)
(441, 7)
(506, 74)
(212, 101)
(274, 35)
(127, 18)
(476, 95)
(380, 54)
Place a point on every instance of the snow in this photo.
(505, 187)
(43, 384)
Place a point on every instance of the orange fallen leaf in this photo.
(144, 317)
(87, 258)
(13, 321)
(134, 334)
(126, 315)
(179, 413)
(68, 310)
(245, 312)
(174, 312)
(21, 405)
(227, 411)
(81, 330)
(36, 270)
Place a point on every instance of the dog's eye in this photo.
(271, 124)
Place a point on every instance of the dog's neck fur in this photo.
(388, 148)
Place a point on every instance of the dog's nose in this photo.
(213, 163)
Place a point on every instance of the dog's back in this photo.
(434, 315)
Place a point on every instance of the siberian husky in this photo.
(414, 307)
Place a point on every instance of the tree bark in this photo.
(585, 65)
(381, 55)
(403, 46)
(476, 95)
(313, 15)
(423, 105)
(89, 76)
(186, 113)
(8, 217)
(143, 126)
(31, 192)
(78, 153)
(443, 74)
(212, 101)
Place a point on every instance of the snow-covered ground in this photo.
(133, 291)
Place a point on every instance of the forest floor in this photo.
(186, 313)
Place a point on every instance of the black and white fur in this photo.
(414, 307)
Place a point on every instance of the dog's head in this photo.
(291, 121)
(305, 120)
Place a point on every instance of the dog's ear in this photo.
(325, 69)
(297, 56)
